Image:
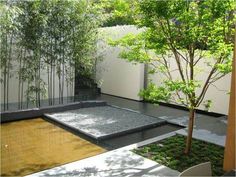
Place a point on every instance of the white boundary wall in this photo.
(120, 78)
(114, 75)
(217, 93)
(13, 86)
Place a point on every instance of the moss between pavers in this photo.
(170, 152)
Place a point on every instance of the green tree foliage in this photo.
(54, 36)
(117, 12)
(195, 35)
(8, 29)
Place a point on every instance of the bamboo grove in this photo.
(53, 36)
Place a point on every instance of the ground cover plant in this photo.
(170, 152)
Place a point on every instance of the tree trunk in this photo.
(5, 72)
(39, 77)
(190, 131)
(4, 83)
(51, 70)
(53, 85)
(63, 77)
(9, 67)
(20, 77)
(59, 83)
(27, 94)
(48, 84)
(36, 85)
(23, 79)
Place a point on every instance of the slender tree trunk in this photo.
(67, 90)
(63, 77)
(3, 46)
(48, 83)
(193, 104)
(53, 85)
(20, 78)
(63, 64)
(190, 131)
(8, 68)
(72, 81)
(54, 67)
(22, 82)
(39, 76)
(5, 74)
(35, 79)
(22, 94)
(4, 86)
(27, 95)
(59, 82)
(59, 67)
(51, 69)
(5, 71)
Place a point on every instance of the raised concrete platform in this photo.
(105, 121)
(8, 116)
(117, 163)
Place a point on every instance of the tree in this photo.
(32, 22)
(8, 30)
(117, 12)
(38, 37)
(84, 46)
(196, 35)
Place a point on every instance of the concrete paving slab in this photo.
(106, 121)
(208, 129)
(215, 124)
(117, 163)
(205, 135)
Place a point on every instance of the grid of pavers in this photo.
(105, 121)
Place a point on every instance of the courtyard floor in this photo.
(123, 162)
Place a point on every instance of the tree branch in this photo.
(206, 85)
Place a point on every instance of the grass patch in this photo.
(170, 152)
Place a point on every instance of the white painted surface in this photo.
(121, 78)
(118, 77)
(219, 95)
(120, 162)
(13, 86)
(218, 92)
(115, 75)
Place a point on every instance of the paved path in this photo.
(210, 129)
(116, 163)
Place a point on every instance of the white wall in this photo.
(117, 76)
(218, 92)
(13, 86)
(121, 78)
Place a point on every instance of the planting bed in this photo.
(170, 152)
